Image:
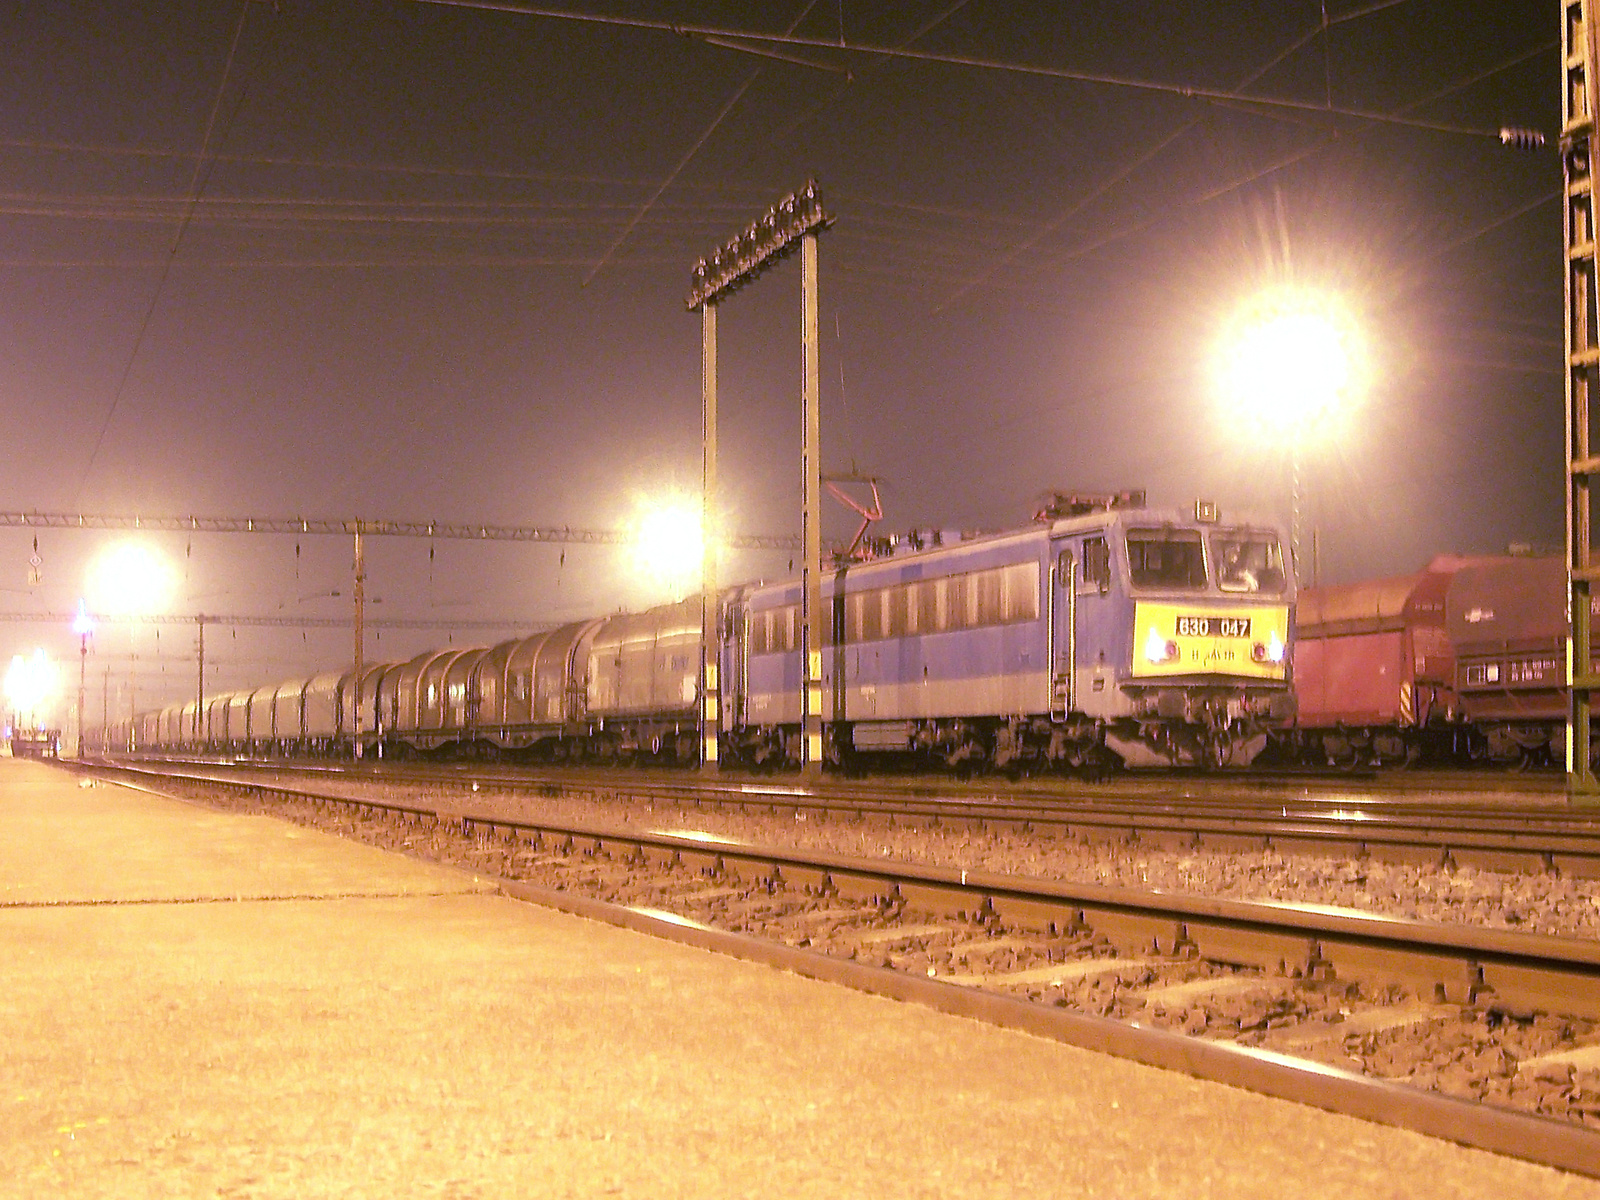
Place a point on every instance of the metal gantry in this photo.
(445, 531)
(1578, 145)
(248, 621)
(793, 223)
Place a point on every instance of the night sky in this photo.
(410, 261)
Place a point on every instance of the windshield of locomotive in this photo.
(1248, 561)
(1166, 558)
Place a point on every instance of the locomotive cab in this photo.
(1180, 636)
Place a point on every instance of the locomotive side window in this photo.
(1096, 565)
(1248, 562)
(955, 604)
(773, 630)
(972, 600)
(989, 594)
(1166, 558)
(900, 611)
(1022, 592)
(872, 615)
(927, 605)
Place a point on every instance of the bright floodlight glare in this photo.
(1291, 364)
(30, 685)
(668, 543)
(130, 578)
(83, 623)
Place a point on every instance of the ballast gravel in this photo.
(1462, 895)
(1510, 1059)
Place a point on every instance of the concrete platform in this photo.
(197, 1004)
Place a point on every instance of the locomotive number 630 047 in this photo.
(1195, 626)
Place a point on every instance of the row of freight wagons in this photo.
(1463, 659)
(507, 696)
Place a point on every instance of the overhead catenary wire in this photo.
(1114, 180)
(688, 156)
(196, 187)
(475, 212)
(1291, 158)
(1186, 91)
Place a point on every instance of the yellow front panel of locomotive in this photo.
(1196, 639)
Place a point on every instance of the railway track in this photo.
(1528, 839)
(1482, 1036)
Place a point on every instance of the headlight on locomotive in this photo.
(1272, 651)
(1157, 649)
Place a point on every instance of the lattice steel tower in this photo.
(1578, 65)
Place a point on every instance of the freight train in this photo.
(1461, 662)
(1105, 634)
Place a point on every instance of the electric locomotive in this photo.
(1106, 634)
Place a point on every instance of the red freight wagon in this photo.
(1508, 622)
(1373, 668)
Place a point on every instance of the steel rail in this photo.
(1461, 964)
(1560, 842)
(1135, 797)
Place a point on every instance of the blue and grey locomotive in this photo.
(1108, 633)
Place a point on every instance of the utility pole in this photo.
(83, 626)
(811, 523)
(200, 677)
(710, 641)
(360, 590)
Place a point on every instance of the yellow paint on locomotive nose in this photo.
(1212, 639)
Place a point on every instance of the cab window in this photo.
(1166, 558)
(1248, 562)
(1096, 564)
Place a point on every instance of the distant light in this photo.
(1290, 362)
(669, 543)
(83, 623)
(131, 579)
(30, 685)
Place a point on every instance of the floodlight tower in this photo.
(793, 223)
